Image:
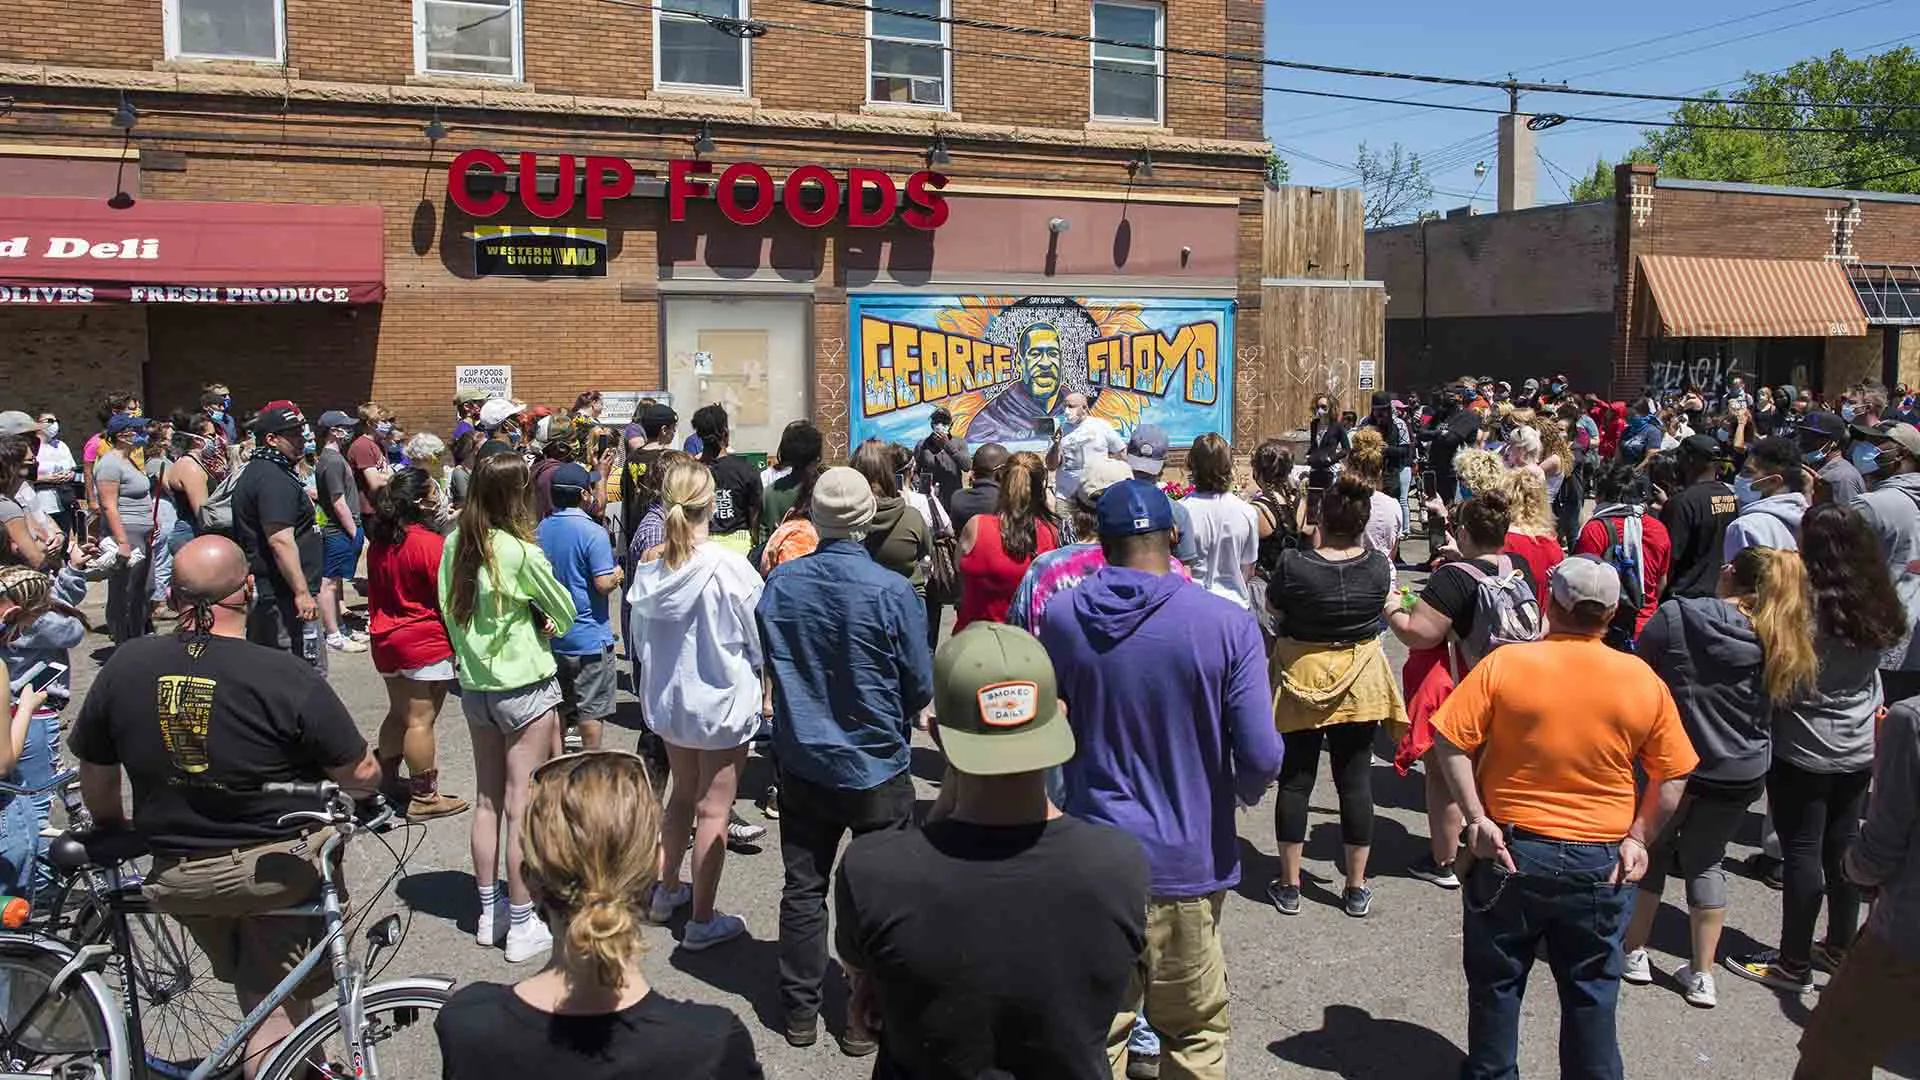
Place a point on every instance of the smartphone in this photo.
(1045, 425)
(1429, 483)
(40, 676)
(1313, 504)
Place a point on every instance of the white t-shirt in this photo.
(1226, 537)
(54, 457)
(1088, 441)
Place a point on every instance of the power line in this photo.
(1733, 40)
(1508, 85)
(1554, 172)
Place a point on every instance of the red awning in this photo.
(81, 251)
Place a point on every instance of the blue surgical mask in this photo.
(1814, 457)
(1846, 412)
(139, 438)
(1865, 457)
(1723, 435)
(53, 429)
(1745, 493)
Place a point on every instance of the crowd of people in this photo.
(1637, 618)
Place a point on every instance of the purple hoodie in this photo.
(1166, 688)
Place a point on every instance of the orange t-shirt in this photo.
(1555, 728)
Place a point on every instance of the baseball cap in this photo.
(1583, 579)
(116, 424)
(334, 418)
(1133, 507)
(996, 703)
(1147, 450)
(1703, 446)
(496, 411)
(1905, 436)
(471, 393)
(277, 416)
(1824, 423)
(15, 422)
(571, 474)
(657, 416)
(1100, 475)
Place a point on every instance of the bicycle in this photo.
(353, 1036)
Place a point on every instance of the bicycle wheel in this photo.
(184, 1011)
(400, 1038)
(74, 1033)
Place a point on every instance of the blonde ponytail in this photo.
(688, 492)
(1771, 586)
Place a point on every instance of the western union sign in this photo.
(539, 251)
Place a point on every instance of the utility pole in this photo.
(1518, 159)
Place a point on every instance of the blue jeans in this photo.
(1560, 894)
(18, 838)
(39, 760)
(1406, 498)
(1143, 1040)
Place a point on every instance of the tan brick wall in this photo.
(67, 358)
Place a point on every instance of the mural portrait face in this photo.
(1040, 359)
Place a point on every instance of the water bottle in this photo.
(310, 644)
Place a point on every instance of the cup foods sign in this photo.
(747, 193)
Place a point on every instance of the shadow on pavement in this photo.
(1359, 1046)
(749, 968)
(443, 894)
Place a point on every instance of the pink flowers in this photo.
(1176, 490)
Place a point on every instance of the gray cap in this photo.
(843, 503)
(15, 422)
(334, 418)
(1583, 579)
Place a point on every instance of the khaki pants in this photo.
(1183, 985)
(1864, 1014)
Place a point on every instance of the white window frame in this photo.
(745, 89)
(946, 60)
(1159, 61)
(420, 65)
(170, 24)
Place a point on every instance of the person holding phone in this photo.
(31, 679)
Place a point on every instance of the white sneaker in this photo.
(360, 636)
(529, 940)
(1637, 970)
(666, 901)
(493, 925)
(705, 935)
(343, 643)
(1697, 988)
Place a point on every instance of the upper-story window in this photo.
(907, 57)
(691, 53)
(253, 30)
(1127, 77)
(467, 37)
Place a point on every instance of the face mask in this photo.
(1814, 457)
(1723, 435)
(1319, 410)
(1865, 457)
(942, 430)
(53, 429)
(139, 438)
(216, 412)
(310, 448)
(1744, 491)
(1846, 412)
(383, 428)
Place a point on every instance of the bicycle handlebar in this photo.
(320, 789)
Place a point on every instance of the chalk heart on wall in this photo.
(832, 383)
(1303, 366)
(1339, 376)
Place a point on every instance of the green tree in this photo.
(1597, 186)
(1278, 170)
(1869, 150)
(1395, 182)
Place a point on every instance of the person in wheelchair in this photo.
(198, 721)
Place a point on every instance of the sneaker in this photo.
(529, 940)
(436, 805)
(770, 803)
(802, 1033)
(1827, 958)
(1697, 987)
(1143, 1066)
(360, 636)
(1359, 901)
(1768, 969)
(1636, 969)
(715, 931)
(1426, 869)
(666, 901)
(571, 742)
(343, 643)
(742, 831)
(1767, 870)
(493, 926)
(858, 1044)
(1285, 897)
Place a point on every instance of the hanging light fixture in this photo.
(125, 115)
(435, 129)
(703, 142)
(937, 154)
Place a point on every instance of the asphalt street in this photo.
(1315, 995)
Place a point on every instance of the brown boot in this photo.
(427, 802)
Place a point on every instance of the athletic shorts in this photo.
(438, 671)
(586, 684)
(510, 710)
(342, 554)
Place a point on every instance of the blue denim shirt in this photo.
(846, 640)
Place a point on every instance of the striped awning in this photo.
(1706, 297)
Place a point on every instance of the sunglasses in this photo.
(578, 756)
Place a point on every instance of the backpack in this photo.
(1505, 612)
(1633, 594)
(943, 565)
(216, 513)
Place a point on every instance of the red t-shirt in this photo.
(1541, 554)
(1657, 557)
(403, 602)
(989, 576)
(364, 453)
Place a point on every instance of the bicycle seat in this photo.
(73, 851)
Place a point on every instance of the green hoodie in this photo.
(500, 649)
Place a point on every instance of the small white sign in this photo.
(495, 379)
(618, 408)
(1367, 369)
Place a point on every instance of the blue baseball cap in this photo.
(1133, 507)
(120, 422)
(571, 475)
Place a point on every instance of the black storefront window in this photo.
(1708, 362)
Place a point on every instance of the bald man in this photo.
(199, 720)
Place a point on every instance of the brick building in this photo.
(290, 145)
(1672, 281)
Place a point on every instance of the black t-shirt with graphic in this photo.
(736, 494)
(199, 727)
(1697, 521)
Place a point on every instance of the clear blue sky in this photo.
(1541, 41)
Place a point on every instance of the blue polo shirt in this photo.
(579, 550)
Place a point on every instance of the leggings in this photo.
(1351, 747)
(1818, 816)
